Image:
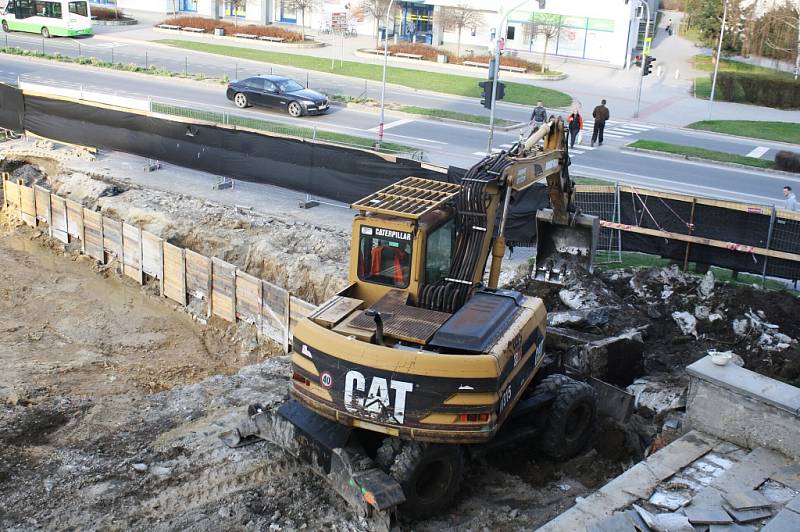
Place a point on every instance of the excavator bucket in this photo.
(560, 247)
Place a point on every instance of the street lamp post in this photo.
(496, 72)
(385, 60)
(719, 57)
(644, 54)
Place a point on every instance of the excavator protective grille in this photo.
(410, 198)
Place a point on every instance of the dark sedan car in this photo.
(278, 93)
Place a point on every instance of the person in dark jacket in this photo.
(539, 115)
(601, 115)
(575, 124)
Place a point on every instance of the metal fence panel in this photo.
(93, 234)
(27, 205)
(223, 290)
(248, 298)
(602, 201)
(75, 219)
(174, 273)
(132, 252)
(198, 274)
(785, 237)
(112, 236)
(152, 255)
(42, 204)
(59, 212)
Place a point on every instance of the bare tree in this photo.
(377, 10)
(302, 6)
(457, 18)
(777, 34)
(548, 27)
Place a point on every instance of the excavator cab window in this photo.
(384, 257)
(439, 252)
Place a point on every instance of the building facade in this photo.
(606, 31)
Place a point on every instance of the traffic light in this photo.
(648, 65)
(486, 94)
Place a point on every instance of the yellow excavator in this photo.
(418, 364)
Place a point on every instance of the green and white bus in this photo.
(49, 18)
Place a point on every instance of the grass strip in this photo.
(777, 131)
(407, 77)
(273, 127)
(701, 153)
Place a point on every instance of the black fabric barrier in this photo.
(333, 172)
(12, 108)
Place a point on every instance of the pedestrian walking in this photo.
(668, 27)
(791, 199)
(575, 125)
(600, 114)
(539, 115)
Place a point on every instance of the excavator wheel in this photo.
(571, 416)
(430, 475)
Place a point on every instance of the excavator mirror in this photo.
(561, 248)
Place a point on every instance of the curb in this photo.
(711, 161)
(460, 68)
(120, 22)
(231, 39)
(375, 110)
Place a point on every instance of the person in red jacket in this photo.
(575, 125)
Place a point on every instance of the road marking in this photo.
(758, 152)
(587, 147)
(629, 130)
(483, 153)
(506, 146)
(574, 151)
(392, 124)
(613, 136)
(640, 127)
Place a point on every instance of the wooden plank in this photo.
(174, 273)
(93, 234)
(152, 255)
(223, 290)
(112, 237)
(27, 199)
(731, 246)
(298, 309)
(275, 313)
(11, 194)
(58, 210)
(248, 298)
(42, 204)
(74, 219)
(603, 189)
(198, 273)
(788, 215)
(131, 252)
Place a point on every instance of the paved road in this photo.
(444, 143)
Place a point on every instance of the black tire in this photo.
(240, 100)
(571, 417)
(45, 33)
(430, 475)
(294, 109)
(5, 26)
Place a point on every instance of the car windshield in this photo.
(288, 85)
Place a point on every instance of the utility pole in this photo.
(719, 56)
(645, 51)
(385, 60)
(496, 73)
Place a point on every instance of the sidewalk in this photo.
(666, 99)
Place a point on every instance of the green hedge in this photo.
(769, 91)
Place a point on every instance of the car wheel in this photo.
(45, 33)
(5, 26)
(295, 109)
(240, 99)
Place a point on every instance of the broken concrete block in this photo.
(656, 397)
(581, 318)
(665, 522)
(706, 287)
(686, 323)
(707, 516)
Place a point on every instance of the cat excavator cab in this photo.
(419, 363)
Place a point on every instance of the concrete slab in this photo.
(785, 521)
(640, 481)
(746, 500)
(789, 475)
(699, 515)
(616, 523)
(794, 505)
(744, 381)
(680, 453)
(730, 528)
(747, 516)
